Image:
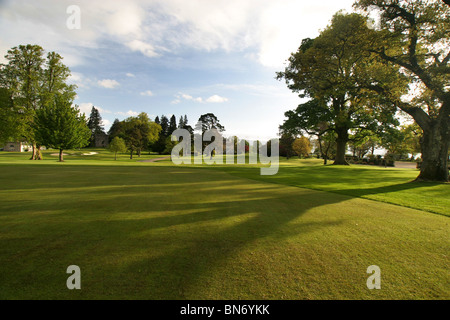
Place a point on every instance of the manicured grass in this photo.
(391, 185)
(159, 231)
(91, 156)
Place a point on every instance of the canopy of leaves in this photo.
(59, 125)
(208, 121)
(117, 145)
(302, 147)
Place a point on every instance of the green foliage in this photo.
(22, 76)
(405, 140)
(208, 121)
(10, 118)
(285, 144)
(334, 71)
(413, 34)
(32, 82)
(95, 124)
(117, 145)
(59, 125)
(169, 144)
(139, 132)
(172, 125)
(302, 147)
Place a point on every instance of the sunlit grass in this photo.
(142, 230)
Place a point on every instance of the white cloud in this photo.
(147, 93)
(86, 108)
(216, 99)
(130, 75)
(108, 83)
(145, 48)
(270, 29)
(129, 113)
(187, 97)
(125, 19)
(106, 123)
(212, 99)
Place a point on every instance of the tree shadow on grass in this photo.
(150, 239)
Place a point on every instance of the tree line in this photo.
(358, 75)
(36, 102)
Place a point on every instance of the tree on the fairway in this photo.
(59, 125)
(22, 76)
(32, 82)
(333, 71)
(95, 125)
(302, 147)
(117, 145)
(414, 34)
(139, 133)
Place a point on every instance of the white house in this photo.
(17, 147)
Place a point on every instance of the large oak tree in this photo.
(415, 36)
(32, 81)
(333, 70)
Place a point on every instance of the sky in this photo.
(174, 57)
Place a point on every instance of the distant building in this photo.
(17, 147)
(101, 140)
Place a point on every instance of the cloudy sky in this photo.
(174, 56)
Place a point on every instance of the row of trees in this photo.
(358, 77)
(400, 143)
(140, 133)
(36, 102)
(137, 133)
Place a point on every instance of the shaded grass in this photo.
(390, 185)
(158, 231)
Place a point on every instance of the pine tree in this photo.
(181, 123)
(164, 126)
(116, 130)
(95, 125)
(172, 125)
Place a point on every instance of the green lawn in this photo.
(157, 231)
(391, 185)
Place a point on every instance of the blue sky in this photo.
(175, 56)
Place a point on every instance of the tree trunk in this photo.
(434, 145)
(341, 146)
(325, 154)
(131, 154)
(38, 154)
(33, 152)
(61, 156)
